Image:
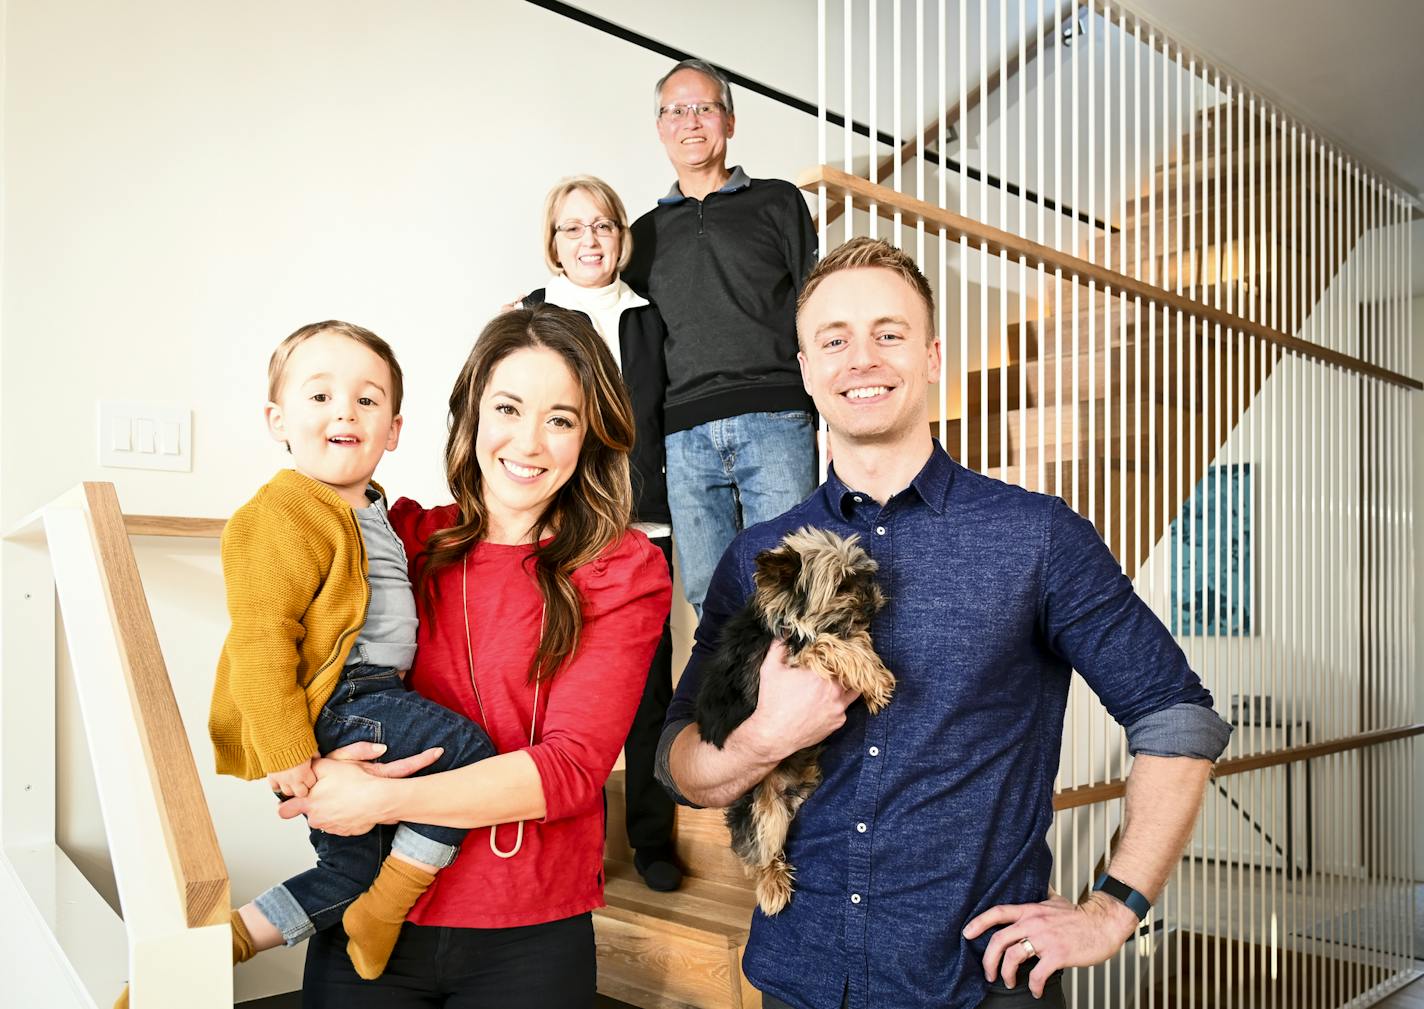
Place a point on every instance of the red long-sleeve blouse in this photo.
(583, 715)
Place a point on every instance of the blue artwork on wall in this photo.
(1211, 556)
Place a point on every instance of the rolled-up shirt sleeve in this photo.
(727, 593)
(626, 596)
(1094, 619)
(1183, 730)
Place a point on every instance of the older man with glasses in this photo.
(724, 257)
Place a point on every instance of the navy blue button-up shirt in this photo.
(938, 808)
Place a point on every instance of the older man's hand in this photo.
(1063, 934)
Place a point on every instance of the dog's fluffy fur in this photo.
(816, 592)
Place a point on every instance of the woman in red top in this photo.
(540, 613)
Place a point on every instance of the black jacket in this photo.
(725, 273)
(641, 337)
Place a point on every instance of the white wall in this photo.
(185, 184)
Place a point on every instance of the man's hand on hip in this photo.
(1061, 934)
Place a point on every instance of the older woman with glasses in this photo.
(586, 245)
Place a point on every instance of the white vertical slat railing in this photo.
(1195, 331)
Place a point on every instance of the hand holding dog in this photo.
(796, 707)
(1063, 934)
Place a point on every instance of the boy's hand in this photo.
(294, 781)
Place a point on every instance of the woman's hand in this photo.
(348, 798)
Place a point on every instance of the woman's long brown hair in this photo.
(588, 513)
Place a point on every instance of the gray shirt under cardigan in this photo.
(388, 636)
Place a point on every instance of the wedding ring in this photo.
(1028, 947)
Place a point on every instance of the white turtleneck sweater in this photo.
(605, 306)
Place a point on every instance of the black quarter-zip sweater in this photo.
(725, 272)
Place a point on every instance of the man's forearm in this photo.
(708, 776)
(1164, 795)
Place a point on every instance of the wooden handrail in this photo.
(1115, 788)
(841, 184)
(931, 131)
(188, 828)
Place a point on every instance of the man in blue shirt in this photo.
(928, 831)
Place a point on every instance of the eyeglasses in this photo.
(573, 230)
(701, 110)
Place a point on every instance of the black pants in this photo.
(549, 966)
(650, 808)
(997, 997)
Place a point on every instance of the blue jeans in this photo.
(372, 705)
(726, 475)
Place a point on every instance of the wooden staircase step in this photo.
(1110, 322)
(1099, 371)
(1021, 430)
(699, 909)
(1200, 183)
(680, 950)
(700, 837)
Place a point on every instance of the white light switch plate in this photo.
(145, 435)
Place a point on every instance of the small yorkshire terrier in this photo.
(816, 592)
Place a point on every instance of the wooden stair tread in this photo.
(714, 912)
(700, 838)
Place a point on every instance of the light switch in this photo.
(170, 437)
(145, 436)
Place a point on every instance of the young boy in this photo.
(323, 627)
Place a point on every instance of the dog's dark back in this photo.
(732, 679)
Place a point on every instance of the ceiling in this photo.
(1355, 70)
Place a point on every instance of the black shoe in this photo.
(659, 868)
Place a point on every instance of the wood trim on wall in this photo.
(173, 525)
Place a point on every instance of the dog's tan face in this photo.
(816, 582)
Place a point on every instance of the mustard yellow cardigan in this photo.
(295, 568)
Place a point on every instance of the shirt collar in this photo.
(931, 483)
(738, 180)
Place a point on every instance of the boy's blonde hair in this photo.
(277, 367)
(607, 199)
(863, 253)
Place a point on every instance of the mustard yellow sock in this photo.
(243, 948)
(373, 921)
